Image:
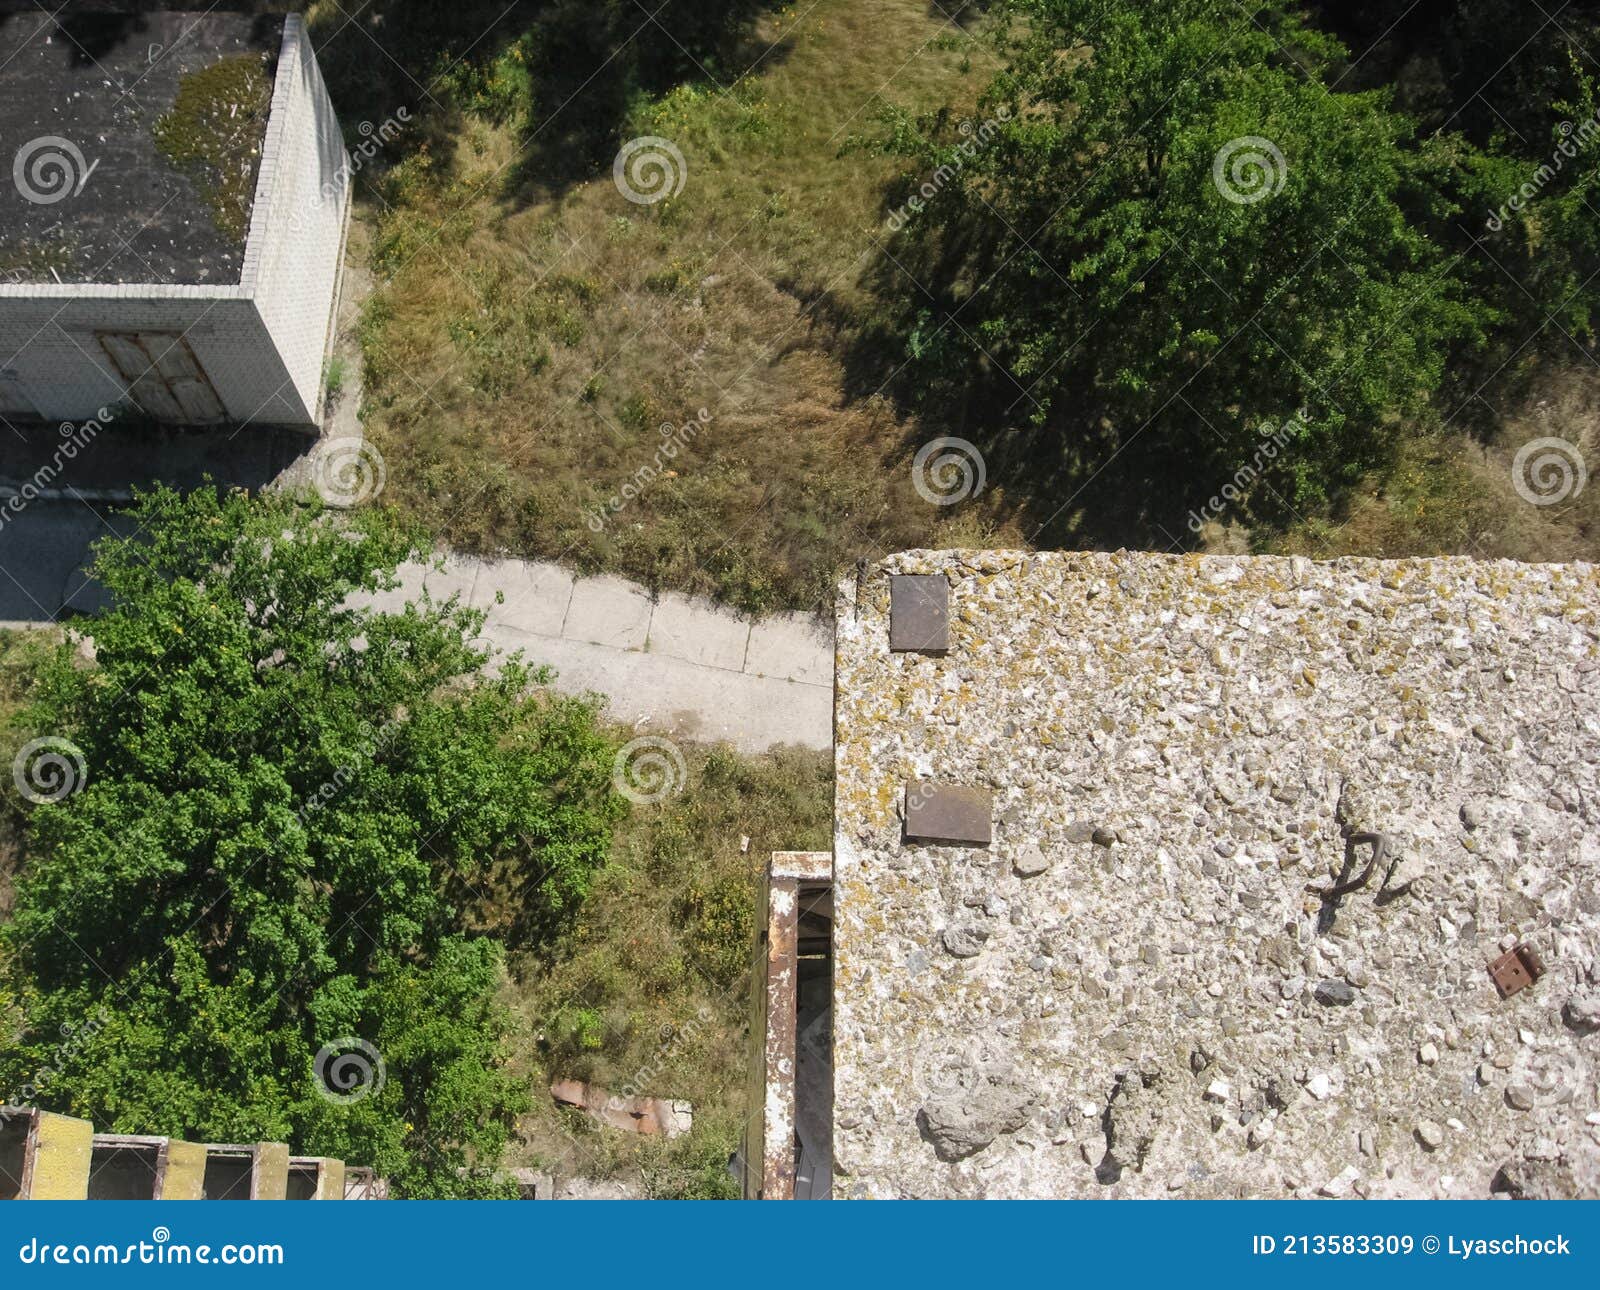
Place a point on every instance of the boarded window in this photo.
(163, 376)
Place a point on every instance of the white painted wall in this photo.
(296, 244)
(63, 371)
(262, 343)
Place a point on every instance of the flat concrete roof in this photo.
(1143, 986)
(100, 82)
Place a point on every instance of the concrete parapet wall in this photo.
(45, 1156)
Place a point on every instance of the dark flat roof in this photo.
(101, 81)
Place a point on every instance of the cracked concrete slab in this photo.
(536, 595)
(677, 664)
(657, 692)
(698, 632)
(792, 647)
(417, 576)
(609, 611)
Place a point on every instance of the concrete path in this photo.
(674, 664)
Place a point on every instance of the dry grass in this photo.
(528, 345)
(1450, 495)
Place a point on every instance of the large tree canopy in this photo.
(1182, 222)
(282, 804)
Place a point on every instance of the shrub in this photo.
(288, 802)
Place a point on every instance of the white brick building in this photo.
(183, 347)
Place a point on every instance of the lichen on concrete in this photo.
(1140, 989)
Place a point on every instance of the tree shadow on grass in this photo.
(592, 72)
(1086, 477)
(566, 74)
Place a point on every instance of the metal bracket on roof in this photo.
(1516, 969)
(919, 613)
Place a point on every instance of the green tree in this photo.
(1169, 228)
(1528, 227)
(288, 803)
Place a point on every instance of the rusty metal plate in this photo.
(950, 813)
(1515, 970)
(919, 613)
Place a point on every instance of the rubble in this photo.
(1133, 1119)
(965, 941)
(646, 1115)
(991, 1101)
(1582, 1011)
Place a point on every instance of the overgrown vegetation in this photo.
(334, 379)
(213, 134)
(649, 990)
(35, 262)
(535, 333)
(1077, 295)
(294, 822)
(1183, 230)
(22, 654)
(1016, 228)
(280, 809)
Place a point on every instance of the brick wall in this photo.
(62, 370)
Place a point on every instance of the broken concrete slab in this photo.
(650, 1116)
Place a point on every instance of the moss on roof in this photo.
(213, 134)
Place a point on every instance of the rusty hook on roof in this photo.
(1380, 843)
